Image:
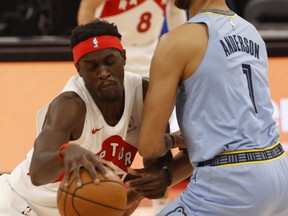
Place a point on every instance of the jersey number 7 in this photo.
(247, 71)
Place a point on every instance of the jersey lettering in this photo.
(236, 43)
(118, 151)
(133, 2)
(122, 5)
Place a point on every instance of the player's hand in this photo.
(75, 158)
(152, 184)
(178, 140)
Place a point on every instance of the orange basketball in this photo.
(108, 198)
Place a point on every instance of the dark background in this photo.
(38, 17)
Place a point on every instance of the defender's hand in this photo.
(152, 184)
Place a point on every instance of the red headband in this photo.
(95, 43)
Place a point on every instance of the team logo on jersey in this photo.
(131, 126)
(118, 151)
(179, 211)
(94, 130)
(95, 42)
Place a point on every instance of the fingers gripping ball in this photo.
(108, 198)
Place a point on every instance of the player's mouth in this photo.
(108, 84)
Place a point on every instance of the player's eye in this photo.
(92, 67)
(109, 62)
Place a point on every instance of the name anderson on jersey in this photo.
(236, 43)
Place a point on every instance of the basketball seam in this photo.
(94, 202)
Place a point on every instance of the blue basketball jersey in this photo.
(225, 105)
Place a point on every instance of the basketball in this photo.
(108, 198)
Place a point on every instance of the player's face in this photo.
(103, 74)
(182, 4)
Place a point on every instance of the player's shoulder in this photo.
(68, 99)
(185, 32)
(188, 36)
(68, 96)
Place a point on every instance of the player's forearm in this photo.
(45, 168)
(155, 149)
(132, 196)
(85, 16)
(182, 168)
(86, 10)
(133, 201)
(174, 16)
(178, 141)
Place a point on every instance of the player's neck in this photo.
(112, 112)
(197, 6)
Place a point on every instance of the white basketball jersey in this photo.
(117, 144)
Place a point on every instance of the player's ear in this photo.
(123, 54)
(77, 66)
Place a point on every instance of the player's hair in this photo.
(94, 28)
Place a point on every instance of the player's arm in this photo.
(64, 122)
(61, 119)
(182, 168)
(176, 57)
(86, 10)
(174, 15)
(159, 101)
(165, 161)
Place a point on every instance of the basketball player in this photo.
(95, 118)
(140, 23)
(215, 68)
